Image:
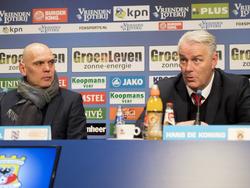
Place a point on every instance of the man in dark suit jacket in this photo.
(225, 97)
(227, 103)
(38, 100)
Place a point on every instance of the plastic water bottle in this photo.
(154, 115)
(119, 120)
(169, 118)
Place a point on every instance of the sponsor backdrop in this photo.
(112, 52)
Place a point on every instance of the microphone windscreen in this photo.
(198, 92)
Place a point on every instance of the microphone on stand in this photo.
(198, 103)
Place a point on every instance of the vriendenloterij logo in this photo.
(87, 15)
(14, 17)
(210, 10)
(163, 13)
(241, 10)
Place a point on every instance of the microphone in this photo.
(197, 117)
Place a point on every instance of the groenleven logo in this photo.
(63, 81)
(93, 59)
(93, 97)
(130, 113)
(61, 57)
(167, 58)
(98, 129)
(210, 10)
(87, 15)
(14, 17)
(129, 13)
(98, 82)
(9, 83)
(163, 58)
(9, 60)
(95, 113)
(221, 56)
(127, 82)
(239, 56)
(241, 10)
(163, 13)
(170, 26)
(49, 15)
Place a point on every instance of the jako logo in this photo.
(127, 13)
(116, 82)
(127, 82)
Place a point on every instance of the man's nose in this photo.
(46, 67)
(189, 65)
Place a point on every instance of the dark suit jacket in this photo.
(227, 103)
(65, 114)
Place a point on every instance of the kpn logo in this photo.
(129, 13)
(210, 10)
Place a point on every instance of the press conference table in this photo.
(150, 164)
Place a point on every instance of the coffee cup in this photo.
(127, 131)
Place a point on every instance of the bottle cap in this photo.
(119, 110)
(155, 90)
(170, 104)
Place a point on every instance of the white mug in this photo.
(127, 131)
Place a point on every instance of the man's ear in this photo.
(214, 59)
(22, 68)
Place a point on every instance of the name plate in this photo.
(211, 132)
(42, 132)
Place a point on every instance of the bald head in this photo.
(37, 65)
(31, 50)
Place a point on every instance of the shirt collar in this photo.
(205, 92)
